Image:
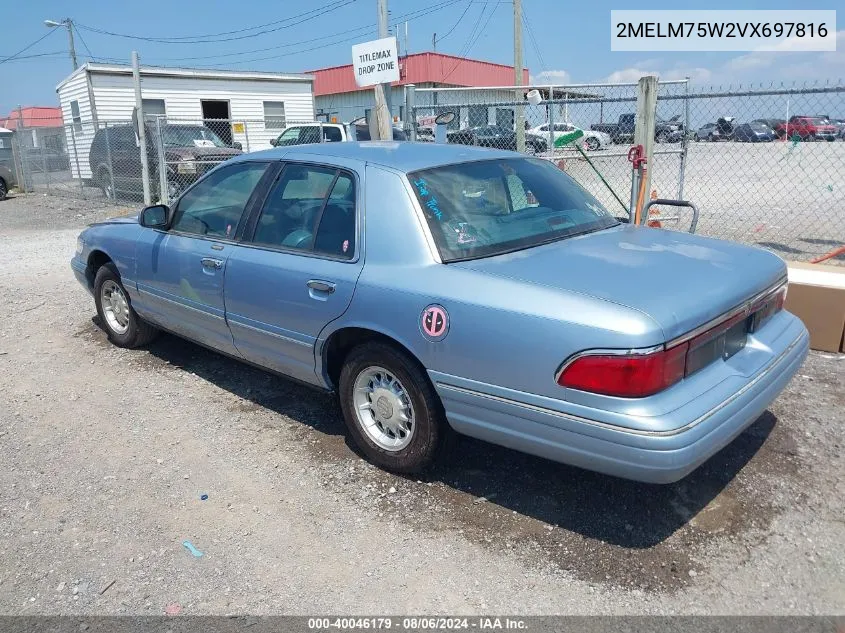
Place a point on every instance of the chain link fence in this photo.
(765, 166)
(585, 129)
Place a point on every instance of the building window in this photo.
(76, 116)
(153, 108)
(274, 115)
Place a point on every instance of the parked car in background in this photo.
(189, 152)
(772, 123)
(665, 131)
(754, 132)
(707, 132)
(497, 136)
(592, 140)
(288, 259)
(726, 126)
(332, 133)
(7, 180)
(425, 135)
(807, 128)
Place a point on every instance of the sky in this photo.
(564, 41)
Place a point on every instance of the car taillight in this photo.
(641, 373)
(628, 375)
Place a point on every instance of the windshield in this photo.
(491, 207)
(759, 127)
(190, 136)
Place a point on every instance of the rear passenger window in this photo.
(336, 231)
(310, 209)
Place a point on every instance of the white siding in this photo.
(115, 97)
(77, 138)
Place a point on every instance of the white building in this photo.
(255, 105)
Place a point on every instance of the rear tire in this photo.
(380, 385)
(592, 144)
(120, 321)
(4, 189)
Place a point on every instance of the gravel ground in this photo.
(104, 454)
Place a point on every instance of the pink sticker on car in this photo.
(434, 322)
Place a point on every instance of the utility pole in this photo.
(385, 131)
(67, 23)
(142, 128)
(517, 68)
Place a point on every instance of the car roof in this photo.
(400, 155)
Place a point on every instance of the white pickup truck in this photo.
(303, 133)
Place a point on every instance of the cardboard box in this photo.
(817, 296)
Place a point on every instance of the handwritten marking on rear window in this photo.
(431, 203)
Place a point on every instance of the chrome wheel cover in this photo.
(383, 408)
(115, 307)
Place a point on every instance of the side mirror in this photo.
(155, 217)
(237, 145)
(274, 142)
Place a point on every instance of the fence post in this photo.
(142, 128)
(644, 127)
(163, 192)
(17, 150)
(246, 136)
(551, 120)
(111, 194)
(44, 168)
(410, 114)
(76, 159)
(684, 144)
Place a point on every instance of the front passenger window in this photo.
(215, 206)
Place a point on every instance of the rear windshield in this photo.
(491, 207)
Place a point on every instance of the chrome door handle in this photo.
(321, 286)
(210, 262)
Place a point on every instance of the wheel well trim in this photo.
(321, 346)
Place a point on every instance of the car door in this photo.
(180, 272)
(296, 268)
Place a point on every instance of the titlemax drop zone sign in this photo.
(375, 62)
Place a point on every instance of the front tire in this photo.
(390, 408)
(592, 144)
(122, 324)
(4, 189)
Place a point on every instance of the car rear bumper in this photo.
(662, 456)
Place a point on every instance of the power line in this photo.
(200, 39)
(533, 39)
(81, 39)
(26, 48)
(455, 25)
(51, 54)
(411, 15)
(469, 44)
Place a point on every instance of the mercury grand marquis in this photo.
(439, 289)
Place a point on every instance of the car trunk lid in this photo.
(680, 280)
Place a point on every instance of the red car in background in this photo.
(808, 128)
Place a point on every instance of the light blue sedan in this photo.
(440, 288)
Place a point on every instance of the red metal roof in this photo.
(34, 116)
(423, 68)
